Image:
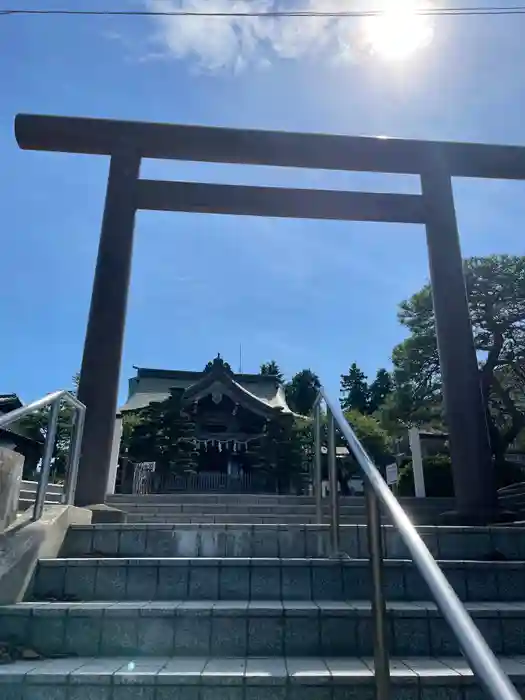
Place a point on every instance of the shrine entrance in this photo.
(223, 458)
(127, 143)
(227, 417)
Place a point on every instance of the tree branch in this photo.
(487, 371)
(516, 416)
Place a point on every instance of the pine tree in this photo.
(273, 369)
(281, 452)
(302, 391)
(165, 435)
(380, 388)
(355, 390)
(179, 429)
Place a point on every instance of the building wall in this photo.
(7, 443)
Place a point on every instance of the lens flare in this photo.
(399, 31)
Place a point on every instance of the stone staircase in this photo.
(184, 508)
(28, 494)
(255, 612)
(513, 498)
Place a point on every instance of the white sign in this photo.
(391, 474)
(417, 462)
(147, 466)
(141, 480)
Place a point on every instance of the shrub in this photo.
(438, 476)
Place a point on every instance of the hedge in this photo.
(438, 476)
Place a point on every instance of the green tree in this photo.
(35, 425)
(302, 390)
(438, 476)
(130, 421)
(165, 434)
(369, 431)
(273, 369)
(354, 390)
(374, 438)
(281, 452)
(379, 390)
(496, 295)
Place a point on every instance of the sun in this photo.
(399, 31)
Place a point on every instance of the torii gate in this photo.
(436, 163)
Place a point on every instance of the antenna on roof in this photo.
(240, 358)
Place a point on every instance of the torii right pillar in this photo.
(470, 450)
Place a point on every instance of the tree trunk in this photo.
(343, 482)
(497, 444)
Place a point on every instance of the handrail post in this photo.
(46, 460)
(334, 492)
(375, 549)
(482, 660)
(318, 477)
(72, 441)
(74, 456)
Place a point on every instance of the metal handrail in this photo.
(53, 400)
(481, 658)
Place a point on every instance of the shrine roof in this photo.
(10, 402)
(257, 391)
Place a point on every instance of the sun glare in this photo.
(399, 31)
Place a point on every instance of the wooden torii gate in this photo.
(436, 163)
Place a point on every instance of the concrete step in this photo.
(264, 579)
(513, 497)
(51, 496)
(418, 509)
(28, 494)
(25, 503)
(262, 499)
(187, 540)
(228, 519)
(254, 629)
(215, 498)
(219, 678)
(243, 508)
(250, 519)
(226, 509)
(32, 486)
(253, 508)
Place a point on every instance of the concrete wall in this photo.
(25, 542)
(11, 468)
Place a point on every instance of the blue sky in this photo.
(308, 294)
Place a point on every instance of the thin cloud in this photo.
(216, 44)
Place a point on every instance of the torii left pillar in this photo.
(100, 372)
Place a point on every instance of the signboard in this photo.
(141, 480)
(417, 462)
(392, 474)
(146, 466)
